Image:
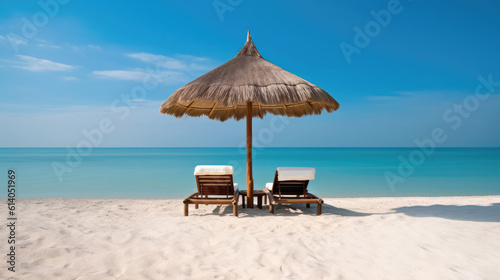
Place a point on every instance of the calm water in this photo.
(168, 172)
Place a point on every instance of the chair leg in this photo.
(259, 202)
(235, 210)
(196, 206)
(186, 209)
(271, 208)
(265, 198)
(308, 205)
(243, 200)
(319, 209)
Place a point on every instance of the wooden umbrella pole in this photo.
(249, 156)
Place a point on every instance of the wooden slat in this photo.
(215, 184)
(225, 190)
(188, 107)
(212, 110)
(308, 195)
(215, 181)
(310, 104)
(224, 201)
(214, 176)
(224, 179)
(295, 200)
(212, 192)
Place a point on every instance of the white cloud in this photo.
(83, 48)
(37, 64)
(121, 75)
(94, 47)
(192, 57)
(138, 75)
(16, 41)
(168, 70)
(49, 46)
(160, 60)
(73, 47)
(183, 62)
(145, 57)
(46, 44)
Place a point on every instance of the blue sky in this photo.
(66, 66)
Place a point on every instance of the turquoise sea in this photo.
(158, 173)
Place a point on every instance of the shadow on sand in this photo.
(286, 210)
(330, 209)
(473, 213)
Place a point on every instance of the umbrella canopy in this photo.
(248, 86)
(223, 93)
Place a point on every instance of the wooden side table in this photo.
(259, 194)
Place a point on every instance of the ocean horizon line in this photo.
(227, 147)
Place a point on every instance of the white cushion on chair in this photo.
(235, 187)
(269, 186)
(295, 173)
(213, 170)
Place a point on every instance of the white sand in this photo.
(355, 238)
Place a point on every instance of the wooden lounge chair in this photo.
(290, 187)
(215, 186)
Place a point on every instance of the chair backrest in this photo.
(215, 184)
(291, 187)
(214, 179)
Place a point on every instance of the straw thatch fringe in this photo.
(239, 112)
(224, 92)
(219, 102)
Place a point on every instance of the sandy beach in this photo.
(355, 238)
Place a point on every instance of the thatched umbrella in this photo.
(248, 86)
